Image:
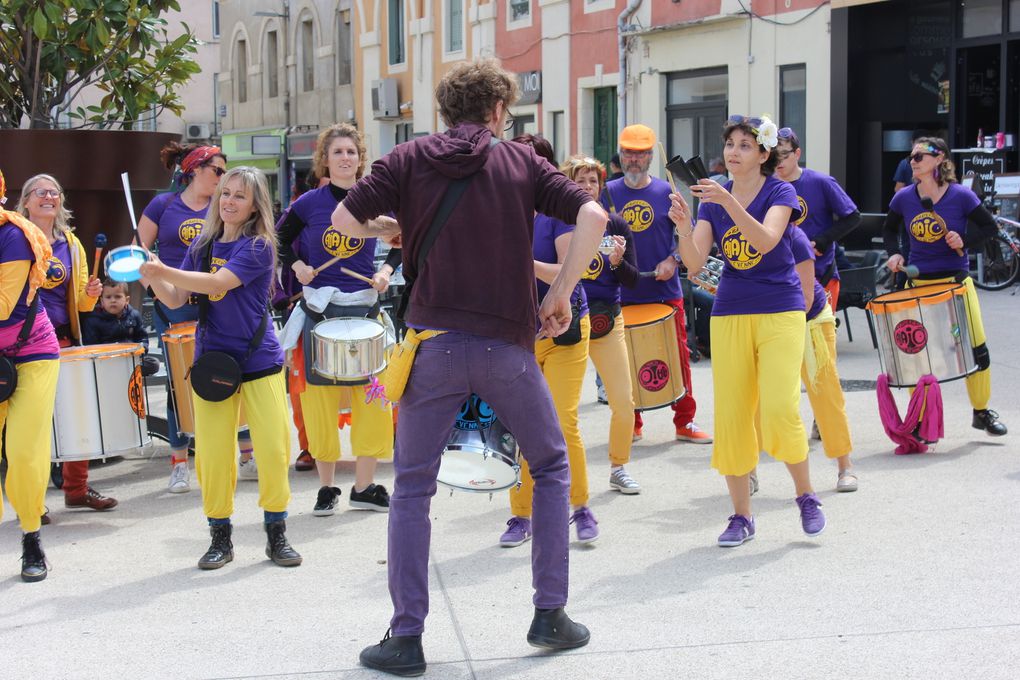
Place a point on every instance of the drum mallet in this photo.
(665, 161)
(100, 245)
(927, 204)
(911, 271)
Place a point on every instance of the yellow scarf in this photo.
(816, 349)
(39, 244)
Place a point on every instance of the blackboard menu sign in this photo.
(985, 163)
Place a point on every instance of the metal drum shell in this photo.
(653, 349)
(92, 415)
(946, 352)
(472, 464)
(336, 357)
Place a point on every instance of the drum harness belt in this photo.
(8, 370)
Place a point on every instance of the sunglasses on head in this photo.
(919, 156)
(740, 120)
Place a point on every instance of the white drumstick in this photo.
(131, 207)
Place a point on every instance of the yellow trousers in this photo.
(371, 424)
(609, 354)
(28, 415)
(826, 397)
(563, 367)
(757, 355)
(265, 403)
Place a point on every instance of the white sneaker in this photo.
(179, 479)
(246, 469)
(621, 481)
(601, 395)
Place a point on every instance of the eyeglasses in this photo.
(46, 193)
(919, 156)
(783, 155)
(217, 169)
(509, 125)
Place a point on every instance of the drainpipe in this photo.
(621, 92)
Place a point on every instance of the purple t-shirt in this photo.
(234, 316)
(178, 225)
(320, 242)
(599, 281)
(42, 343)
(820, 197)
(753, 283)
(53, 293)
(646, 211)
(547, 230)
(802, 250)
(927, 229)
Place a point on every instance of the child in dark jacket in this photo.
(115, 320)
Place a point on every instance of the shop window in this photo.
(396, 32)
(980, 17)
(793, 101)
(343, 47)
(454, 25)
(698, 88)
(307, 56)
(272, 65)
(241, 70)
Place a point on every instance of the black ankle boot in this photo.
(221, 550)
(33, 560)
(988, 421)
(399, 655)
(278, 549)
(553, 629)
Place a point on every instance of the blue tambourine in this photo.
(125, 263)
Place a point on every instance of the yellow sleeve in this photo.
(85, 303)
(13, 276)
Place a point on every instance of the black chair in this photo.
(857, 289)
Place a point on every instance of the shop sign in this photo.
(531, 87)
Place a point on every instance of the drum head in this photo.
(124, 263)
(639, 315)
(470, 470)
(349, 328)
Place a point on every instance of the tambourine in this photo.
(125, 263)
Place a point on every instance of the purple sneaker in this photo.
(811, 518)
(738, 531)
(587, 527)
(518, 530)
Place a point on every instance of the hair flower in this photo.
(768, 133)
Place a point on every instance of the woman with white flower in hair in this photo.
(758, 319)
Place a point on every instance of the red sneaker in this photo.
(694, 434)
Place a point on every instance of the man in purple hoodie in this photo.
(477, 286)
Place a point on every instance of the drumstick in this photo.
(646, 275)
(928, 205)
(100, 244)
(328, 263)
(356, 275)
(131, 207)
(665, 160)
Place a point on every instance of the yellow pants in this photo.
(28, 415)
(757, 354)
(371, 424)
(827, 401)
(609, 354)
(979, 384)
(265, 403)
(563, 367)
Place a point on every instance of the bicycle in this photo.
(997, 260)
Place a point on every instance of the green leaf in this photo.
(39, 24)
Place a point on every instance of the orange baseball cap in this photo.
(637, 138)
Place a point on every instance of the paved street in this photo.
(916, 576)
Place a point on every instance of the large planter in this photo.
(88, 164)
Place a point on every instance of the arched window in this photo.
(306, 36)
(241, 70)
(271, 64)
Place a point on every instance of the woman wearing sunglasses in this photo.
(943, 220)
(758, 319)
(171, 222)
(67, 292)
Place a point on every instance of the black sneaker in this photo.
(325, 504)
(374, 497)
(988, 421)
(553, 629)
(398, 655)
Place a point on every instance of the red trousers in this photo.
(295, 404)
(685, 408)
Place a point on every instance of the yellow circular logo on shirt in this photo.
(639, 215)
(594, 268)
(735, 248)
(335, 243)
(190, 229)
(803, 211)
(217, 262)
(56, 274)
(928, 227)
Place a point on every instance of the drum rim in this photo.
(379, 324)
(83, 352)
(898, 296)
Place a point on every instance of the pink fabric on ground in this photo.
(923, 418)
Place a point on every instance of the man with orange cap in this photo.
(643, 201)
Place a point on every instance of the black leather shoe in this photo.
(988, 421)
(553, 629)
(33, 560)
(398, 655)
(278, 549)
(221, 550)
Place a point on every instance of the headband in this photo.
(197, 157)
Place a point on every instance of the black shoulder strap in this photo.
(26, 328)
(204, 305)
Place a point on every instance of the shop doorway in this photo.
(605, 123)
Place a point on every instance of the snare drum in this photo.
(654, 352)
(921, 331)
(349, 350)
(124, 263)
(179, 346)
(482, 454)
(100, 405)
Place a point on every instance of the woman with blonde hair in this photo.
(307, 241)
(67, 292)
(231, 267)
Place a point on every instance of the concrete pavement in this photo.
(916, 576)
